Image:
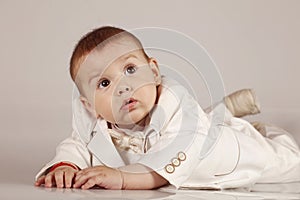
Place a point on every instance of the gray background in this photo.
(254, 43)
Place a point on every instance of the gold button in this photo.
(176, 162)
(169, 168)
(181, 156)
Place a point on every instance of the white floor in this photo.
(262, 191)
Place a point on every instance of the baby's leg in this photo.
(275, 133)
(279, 135)
(284, 156)
(242, 102)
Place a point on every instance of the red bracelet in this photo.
(62, 164)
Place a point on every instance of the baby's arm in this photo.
(60, 175)
(111, 178)
(72, 151)
(143, 181)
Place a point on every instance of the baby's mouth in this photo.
(129, 104)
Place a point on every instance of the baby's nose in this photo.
(123, 89)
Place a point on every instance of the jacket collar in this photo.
(103, 148)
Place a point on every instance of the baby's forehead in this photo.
(100, 58)
(104, 55)
(103, 58)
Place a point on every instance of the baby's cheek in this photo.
(103, 111)
(149, 94)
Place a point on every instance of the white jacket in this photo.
(188, 147)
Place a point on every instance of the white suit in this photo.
(186, 146)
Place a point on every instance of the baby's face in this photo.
(119, 82)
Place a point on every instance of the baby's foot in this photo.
(242, 102)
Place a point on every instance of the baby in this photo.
(136, 129)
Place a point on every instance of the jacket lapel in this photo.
(103, 148)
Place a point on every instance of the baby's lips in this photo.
(128, 103)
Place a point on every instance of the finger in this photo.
(40, 181)
(69, 175)
(48, 180)
(91, 183)
(85, 171)
(77, 175)
(81, 179)
(82, 173)
(59, 178)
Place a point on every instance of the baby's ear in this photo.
(154, 67)
(88, 106)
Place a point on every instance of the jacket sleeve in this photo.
(73, 150)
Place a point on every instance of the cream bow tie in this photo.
(126, 142)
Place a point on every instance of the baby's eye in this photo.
(103, 83)
(130, 70)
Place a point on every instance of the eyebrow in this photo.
(93, 77)
(129, 56)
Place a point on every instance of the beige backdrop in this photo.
(254, 43)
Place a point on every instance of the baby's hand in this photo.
(102, 176)
(61, 177)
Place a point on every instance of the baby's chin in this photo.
(130, 123)
(126, 123)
